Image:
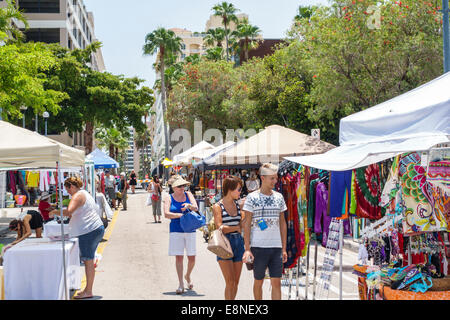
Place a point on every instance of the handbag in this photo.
(155, 197)
(220, 245)
(191, 221)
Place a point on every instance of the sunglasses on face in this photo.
(181, 187)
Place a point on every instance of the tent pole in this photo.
(62, 231)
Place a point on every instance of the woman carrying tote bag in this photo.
(228, 217)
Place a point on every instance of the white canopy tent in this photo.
(414, 121)
(271, 145)
(209, 157)
(21, 148)
(185, 158)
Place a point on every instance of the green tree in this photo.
(362, 53)
(165, 42)
(248, 33)
(95, 98)
(8, 30)
(23, 81)
(215, 37)
(214, 54)
(227, 11)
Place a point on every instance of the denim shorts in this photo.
(88, 243)
(237, 245)
(271, 258)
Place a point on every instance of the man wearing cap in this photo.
(265, 232)
(45, 207)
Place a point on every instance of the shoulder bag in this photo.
(191, 221)
(220, 245)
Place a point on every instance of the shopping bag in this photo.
(191, 221)
(220, 245)
(149, 200)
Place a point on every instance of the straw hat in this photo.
(179, 181)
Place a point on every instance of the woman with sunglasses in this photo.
(228, 216)
(85, 223)
(175, 205)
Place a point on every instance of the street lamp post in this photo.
(46, 115)
(24, 109)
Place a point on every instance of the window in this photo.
(183, 46)
(43, 35)
(39, 6)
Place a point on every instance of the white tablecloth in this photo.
(33, 269)
(52, 229)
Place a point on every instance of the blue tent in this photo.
(101, 160)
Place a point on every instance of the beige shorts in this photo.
(179, 242)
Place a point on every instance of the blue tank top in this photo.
(175, 207)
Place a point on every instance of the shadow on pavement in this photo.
(187, 293)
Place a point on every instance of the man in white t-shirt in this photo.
(265, 232)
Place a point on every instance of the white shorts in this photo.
(179, 241)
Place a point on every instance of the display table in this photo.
(390, 294)
(33, 269)
(52, 230)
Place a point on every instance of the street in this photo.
(135, 264)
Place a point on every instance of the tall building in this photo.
(68, 23)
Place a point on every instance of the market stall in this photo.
(101, 160)
(29, 150)
(378, 173)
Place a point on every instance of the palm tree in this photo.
(141, 141)
(215, 37)
(248, 33)
(7, 14)
(164, 42)
(228, 13)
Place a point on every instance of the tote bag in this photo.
(191, 221)
(220, 245)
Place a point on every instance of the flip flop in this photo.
(180, 290)
(82, 296)
(190, 284)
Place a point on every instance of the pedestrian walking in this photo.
(228, 216)
(123, 187)
(265, 232)
(175, 205)
(252, 183)
(110, 188)
(85, 223)
(156, 192)
(133, 181)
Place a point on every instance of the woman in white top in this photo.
(85, 223)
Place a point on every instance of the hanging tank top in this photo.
(227, 219)
(175, 207)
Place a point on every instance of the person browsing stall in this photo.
(265, 232)
(25, 222)
(45, 207)
(175, 205)
(228, 216)
(85, 223)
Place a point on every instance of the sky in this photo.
(121, 26)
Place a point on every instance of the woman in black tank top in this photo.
(228, 217)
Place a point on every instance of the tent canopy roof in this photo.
(101, 160)
(22, 148)
(271, 145)
(185, 157)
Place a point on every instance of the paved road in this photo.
(136, 265)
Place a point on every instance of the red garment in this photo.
(45, 208)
